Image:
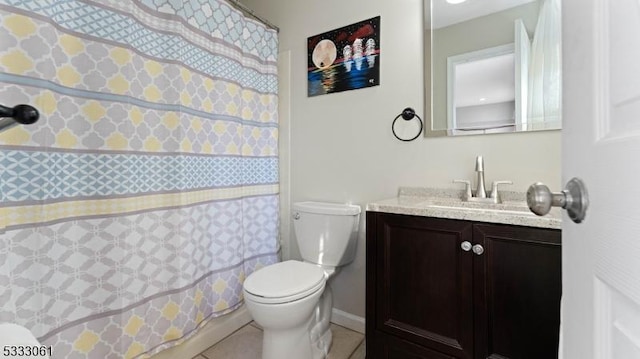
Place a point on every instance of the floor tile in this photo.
(199, 357)
(256, 325)
(345, 342)
(246, 343)
(360, 352)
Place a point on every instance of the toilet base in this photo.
(297, 329)
(290, 333)
(295, 343)
(287, 343)
(320, 331)
(321, 347)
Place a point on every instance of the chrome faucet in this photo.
(480, 194)
(480, 191)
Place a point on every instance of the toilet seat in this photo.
(284, 282)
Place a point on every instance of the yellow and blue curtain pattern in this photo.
(133, 210)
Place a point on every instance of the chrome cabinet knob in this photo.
(573, 198)
(466, 246)
(478, 249)
(296, 215)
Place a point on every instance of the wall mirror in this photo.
(492, 66)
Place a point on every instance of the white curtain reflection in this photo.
(545, 73)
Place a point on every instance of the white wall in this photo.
(341, 148)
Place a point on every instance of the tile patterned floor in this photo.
(246, 343)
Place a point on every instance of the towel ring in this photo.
(407, 114)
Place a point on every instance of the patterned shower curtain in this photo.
(133, 210)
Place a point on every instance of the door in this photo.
(601, 145)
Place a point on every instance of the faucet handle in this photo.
(467, 187)
(494, 189)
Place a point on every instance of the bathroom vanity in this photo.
(453, 279)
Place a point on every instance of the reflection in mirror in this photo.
(481, 91)
(495, 66)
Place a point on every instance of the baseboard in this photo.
(213, 332)
(347, 320)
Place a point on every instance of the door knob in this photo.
(573, 198)
(466, 246)
(478, 249)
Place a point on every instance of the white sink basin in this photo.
(521, 211)
(511, 206)
(506, 208)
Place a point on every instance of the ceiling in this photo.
(491, 79)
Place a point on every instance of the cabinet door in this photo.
(390, 347)
(424, 282)
(517, 290)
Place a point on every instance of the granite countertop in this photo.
(447, 203)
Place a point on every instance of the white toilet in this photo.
(291, 300)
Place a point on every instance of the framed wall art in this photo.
(344, 59)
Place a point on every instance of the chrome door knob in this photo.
(573, 198)
(478, 249)
(466, 246)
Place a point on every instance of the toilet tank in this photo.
(327, 233)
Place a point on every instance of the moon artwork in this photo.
(344, 59)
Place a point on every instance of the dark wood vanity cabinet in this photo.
(428, 298)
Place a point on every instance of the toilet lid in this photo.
(284, 279)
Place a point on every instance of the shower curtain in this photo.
(133, 210)
(545, 71)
